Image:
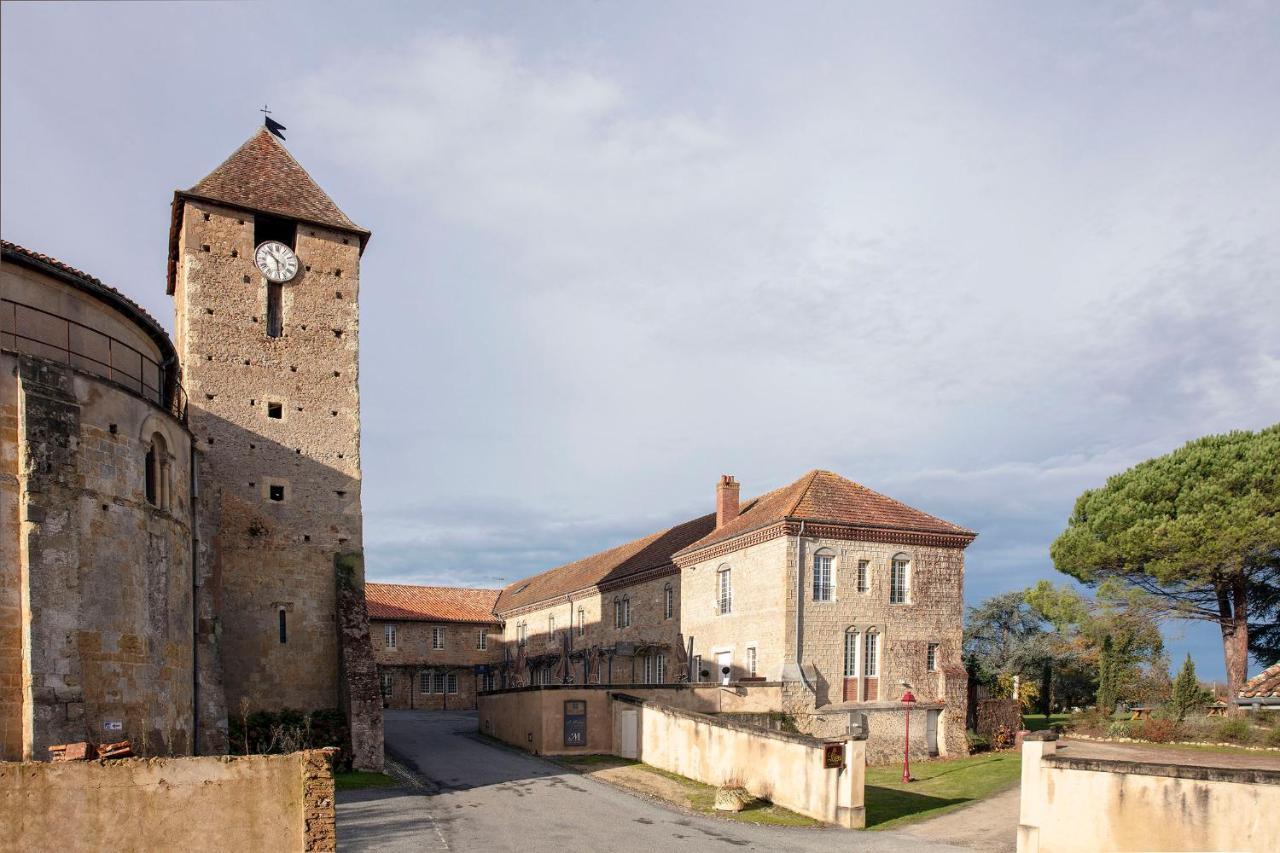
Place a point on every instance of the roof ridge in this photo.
(812, 475)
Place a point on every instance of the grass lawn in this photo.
(940, 786)
(1036, 722)
(676, 789)
(355, 779)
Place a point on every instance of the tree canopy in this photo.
(1199, 528)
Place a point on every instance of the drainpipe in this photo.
(194, 497)
(800, 608)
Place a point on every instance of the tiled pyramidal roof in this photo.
(818, 497)
(429, 603)
(1264, 685)
(262, 175)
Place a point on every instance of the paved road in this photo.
(482, 797)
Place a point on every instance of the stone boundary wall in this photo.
(783, 768)
(1071, 804)
(254, 802)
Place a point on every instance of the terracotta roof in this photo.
(825, 497)
(262, 175)
(650, 552)
(429, 603)
(819, 496)
(1264, 685)
(13, 253)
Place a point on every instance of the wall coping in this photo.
(1243, 775)
(803, 740)
(683, 685)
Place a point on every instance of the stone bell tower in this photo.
(270, 367)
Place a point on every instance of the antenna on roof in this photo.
(273, 126)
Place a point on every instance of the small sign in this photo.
(833, 756)
(113, 726)
(575, 723)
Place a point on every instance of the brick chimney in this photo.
(726, 500)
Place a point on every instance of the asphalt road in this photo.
(477, 796)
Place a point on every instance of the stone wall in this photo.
(1070, 804)
(277, 423)
(258, 802)
(760, 617)
(649, 624)
(102, 577)
(359, 697)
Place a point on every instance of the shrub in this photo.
(1120, 728)
(1003, 737)
(1089, 722)
(1157, 730)
(286, 730)
(1272, 738)
(1235, 731)
(977, 743)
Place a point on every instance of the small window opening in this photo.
(340, 493)
(275, 318)
(276, 493)
(246, 279)
(275, 410)
(284, 627)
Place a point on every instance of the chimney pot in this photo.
(726, 500)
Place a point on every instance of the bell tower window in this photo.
(284, 231)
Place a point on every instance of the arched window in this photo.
(626, 612)
(157, 472)
(668, 602)
(900, 579)
(617, 612)
(724, 590)
(824, 576)
(582, 621)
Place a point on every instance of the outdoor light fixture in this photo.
(907, 699)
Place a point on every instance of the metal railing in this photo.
(35, 331)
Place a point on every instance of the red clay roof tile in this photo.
(1264, 685)
(407, 602)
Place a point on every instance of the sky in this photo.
(976, 256)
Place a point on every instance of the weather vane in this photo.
(272, 125)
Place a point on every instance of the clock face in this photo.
(276, 261)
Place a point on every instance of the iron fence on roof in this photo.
(35, 331)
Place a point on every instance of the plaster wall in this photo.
(1086, 805)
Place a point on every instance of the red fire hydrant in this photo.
(907, 699)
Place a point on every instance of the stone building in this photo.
(841, 593)
(220, 567)
(611, 618)
(436, 646)
(835, 592)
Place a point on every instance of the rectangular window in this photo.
(424, 682)
(851, 654)
(899, 580)
(725, 587)
(668, 602)
(284, 629)
(871, 662)
(437, 683)
(437, 638)
(384, 680)
(452, 682)
(275, 410)
(276, 493)
(582, 621)
(482, 640)
(931, 658)
(751, 661)
(661, 671)
(389, 634)
(863, 566)
(275, 311)
(823, 583)
(697, 667)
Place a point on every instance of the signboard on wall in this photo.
(575, 722)
(833, 756)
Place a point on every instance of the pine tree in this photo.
(1187, 695)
